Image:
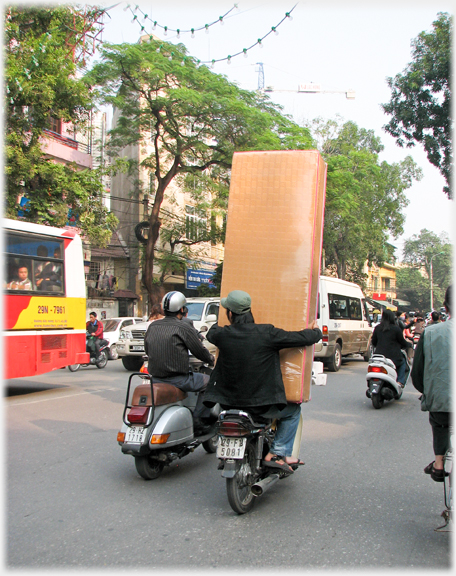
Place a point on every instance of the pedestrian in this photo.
(431, 375)
(435, 318)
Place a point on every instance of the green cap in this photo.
(237, 301)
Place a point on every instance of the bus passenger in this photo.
(22, 281)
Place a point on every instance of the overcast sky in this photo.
(339, 45)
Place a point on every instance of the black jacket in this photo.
(167, 343)
(389, 343)
(248, 372)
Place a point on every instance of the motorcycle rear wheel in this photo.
(74, 367)
(211, 445)
(240, 496)
(377, 401)
(102, 362)
(148, 468)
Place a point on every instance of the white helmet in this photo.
(173, 302)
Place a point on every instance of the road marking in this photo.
(18, 402)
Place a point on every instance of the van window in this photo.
(338, 306)
(355, 309)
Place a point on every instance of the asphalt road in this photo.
(73, 500)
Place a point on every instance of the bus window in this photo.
(44, 263)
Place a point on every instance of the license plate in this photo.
(135, 435)
(231, 447)
(137, 348)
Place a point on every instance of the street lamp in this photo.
(432, 290)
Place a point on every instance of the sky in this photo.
(341, 46)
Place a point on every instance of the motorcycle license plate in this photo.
(137, 348)
(231, 447)
(135, 435)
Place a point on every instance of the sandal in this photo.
(436, 475)
(274, 463)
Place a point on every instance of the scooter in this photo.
(99, 361)
(382, 380)
(157, 426)
(243, 444)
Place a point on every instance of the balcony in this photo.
(65, 150)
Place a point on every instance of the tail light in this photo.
(325, 334)
(138, 415)
(377, 369)
(233, 429)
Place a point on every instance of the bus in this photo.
(44, 299)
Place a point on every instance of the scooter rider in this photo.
(95, 328)
(247, 375)
(167, 344)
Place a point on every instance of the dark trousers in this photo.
(440, 423)
(194, 382)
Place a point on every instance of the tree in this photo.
(41, 73)
(364, 197)
(420, 103)
(413, 287)
(193, 119)
(417, 253)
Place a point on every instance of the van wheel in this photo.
(336, 360)
(368, 353)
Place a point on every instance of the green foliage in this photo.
(187, 121)
(420, 248)
(420, 103)
(364, 197)
(42, 82)
(413, 287)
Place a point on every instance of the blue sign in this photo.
(197, 277)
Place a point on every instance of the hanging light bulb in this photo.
(146, 16)
(245, 52)
(183, 62)
(288, 15)
(274, 29)
(126, 7)
(178, 33)
(192, 32)
(170, 57)
(221, 19)
(229, 60)
(166, 30)
(260, 44)
(155, 25)
(213, 63)
(207, 28)
(135, 17)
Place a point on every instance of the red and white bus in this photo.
(44, 304)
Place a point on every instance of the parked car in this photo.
(130, 346)
(111, 332)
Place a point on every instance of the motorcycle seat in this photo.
(163, 394)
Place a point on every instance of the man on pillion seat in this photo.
(167, 344)
(247, 375)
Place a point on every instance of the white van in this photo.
(344, 320)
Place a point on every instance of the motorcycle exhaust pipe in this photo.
(259, 488)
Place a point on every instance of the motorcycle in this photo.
(243, 444)
(382, 380)
(100, 361)
(157, 426)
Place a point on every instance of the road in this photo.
(74, 501)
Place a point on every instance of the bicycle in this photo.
(447, 514)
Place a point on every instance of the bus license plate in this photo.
(137, 348)
(135, 435)
(231, 447)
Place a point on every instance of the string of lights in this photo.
(166, 29)
(244, 51)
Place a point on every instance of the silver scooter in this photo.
(157, 426)
(381, 379)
